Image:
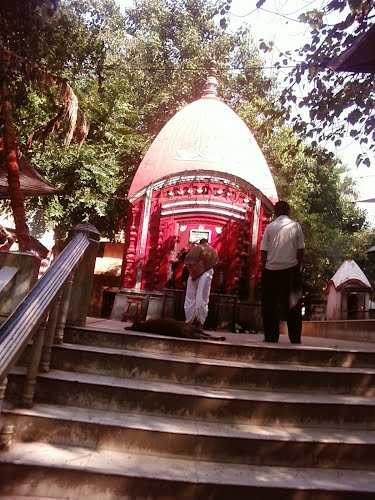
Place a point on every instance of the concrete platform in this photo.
(362, 330)
(237, 347)
(251, 339)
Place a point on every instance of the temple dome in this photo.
(206, 135)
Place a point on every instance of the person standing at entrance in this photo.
(200, 261)
(282, 250)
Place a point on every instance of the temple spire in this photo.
(211, 85)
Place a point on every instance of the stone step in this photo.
(72, 472)
(210, 371)
(270, 353)
(192, 438)
(26, 497)
(261, 407)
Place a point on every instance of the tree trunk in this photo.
(12, 165)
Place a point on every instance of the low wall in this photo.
(361, 330)
(150, 305)
(224, 311)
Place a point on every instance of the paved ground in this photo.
(248, 339)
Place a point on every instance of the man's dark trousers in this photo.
(276, 289)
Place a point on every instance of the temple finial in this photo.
(211, 85)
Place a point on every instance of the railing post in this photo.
(50, 333)
(84, 278)
(6, 430)
(3, 386)
(64, 309)
(33, 368)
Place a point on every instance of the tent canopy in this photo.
(32, 183)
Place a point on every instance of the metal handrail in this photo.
(19, 327)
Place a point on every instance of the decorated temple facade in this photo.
(204, 176)
(182, 209)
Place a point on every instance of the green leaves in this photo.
(355, 6)
(354, 116)
(86, 44)
(312, 17)
(266, 47)
(327, 95)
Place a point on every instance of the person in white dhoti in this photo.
(200, 262)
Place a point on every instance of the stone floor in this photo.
(249, 339)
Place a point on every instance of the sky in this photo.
(280, 27)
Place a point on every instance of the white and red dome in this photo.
(206, 135)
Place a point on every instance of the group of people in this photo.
(282, 251)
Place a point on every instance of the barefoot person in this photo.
(282, 256)
(200, 261)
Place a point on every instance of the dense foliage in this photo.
(132, 72)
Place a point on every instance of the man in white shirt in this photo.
(200, 261)
(282, 251)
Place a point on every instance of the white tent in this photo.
(348, 293)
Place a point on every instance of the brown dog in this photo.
(171, 328)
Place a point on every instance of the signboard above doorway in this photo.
(197, 234)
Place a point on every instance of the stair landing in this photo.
(251, 339)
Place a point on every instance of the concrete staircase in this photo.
(129, 415)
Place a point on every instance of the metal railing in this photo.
(41, 317)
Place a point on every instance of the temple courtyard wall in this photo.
(361, 330)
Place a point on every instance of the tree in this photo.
(320, 192)
(8, 133)
(338, 104)
(174, 45)
(81, 37)
(111, 61)
(16, 73)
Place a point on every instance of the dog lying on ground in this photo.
(171, 328)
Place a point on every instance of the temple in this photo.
(203, 176)
(348, 293)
